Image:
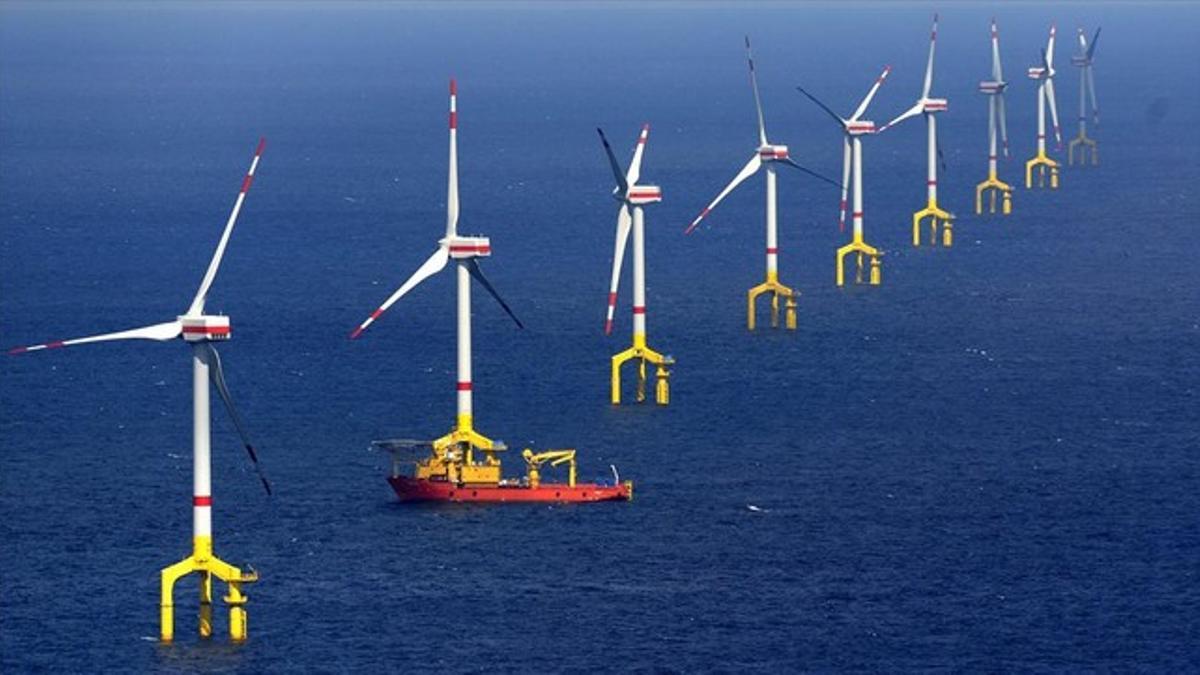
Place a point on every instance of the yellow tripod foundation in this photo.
(1087, 148)
(857, 245)
(204, 563)
(937, 218)
(1043, 166)
(644, 355)
(777, 291)
(454, 456)
(992, 188)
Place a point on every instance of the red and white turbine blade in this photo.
(635, 165)
(862, 107)
(1091, 87)
(452, 186)
(762, 126)
(749, 170)
(197, 306)
(624, 220)
(845, 182)
(929, 65)
(432, 266)
(915, 110)
(997, 73)
(159, 331)
(1053, 110)
(1001, 108)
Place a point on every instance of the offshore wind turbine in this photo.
(1087, 92)
(853, 129)
(929, 107)
(765, 156)
(1044, 75)
(994, 89)
(633, 197)
(200, 331)
(453, 458)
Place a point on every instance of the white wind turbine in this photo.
(200, 330)
(453, 454)
(929, 107)
(632, 198)
(1087, 92)
(853, 129)
(994, 89)
(1044, 74)
(765, 156)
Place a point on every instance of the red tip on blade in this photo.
(453, 87)
(18, 350)
(355, 333)
(646, 126)
(608, 327)
(262, 144)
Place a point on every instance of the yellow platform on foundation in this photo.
(454, 459)
(203, 562)
(1043, 165)
(862, 249)
(993, 187)
(937, 219)
(639, 350)
(1086, 147)
(777, 291)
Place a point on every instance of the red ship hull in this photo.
(415, 490)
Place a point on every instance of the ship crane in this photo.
(534, 462)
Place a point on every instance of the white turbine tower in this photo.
(633, 197)
(994, 89)
(200, 330)
(853, 129)
(765, 156)
(929, 107)
(1044, 74)
(1087, 92)
(454, 454)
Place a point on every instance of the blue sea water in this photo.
(987, 463)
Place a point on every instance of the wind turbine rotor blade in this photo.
(452, 180)
(1053, 111)
(915, 110)
(216, 373)
(929, 65)
(432, 266)
(1082, 42)
(1001, 108)
(476, 271)
(862, 107)
(635, 165)
(624, 221)
(997, 72)
(1091, 85)
(762, 127)
(749, 170)
(846, 158)
(795, 165)
(1050, 48)
(197, 306)
(159, 331)
(840, 122)
(1091, 50)
(1045, 66)
(619, 175)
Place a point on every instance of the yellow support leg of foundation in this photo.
(861, 249)
(937, 218)
(777, 291)
(1086, 147)
(1044, 167)
(993, 187)
(645, 356)
(206, 565)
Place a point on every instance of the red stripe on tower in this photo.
(931, 183)
(856, 214)
(771, 250)
(205, 500)
(464, 386)
(639, 310)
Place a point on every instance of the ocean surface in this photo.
(988, 463)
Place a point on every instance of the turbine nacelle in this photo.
(992, 87)
(461, 248)
(1081, 61)
(644, 194)
(772, 153)
(208, 328)
(1040, 73)
(860, 128)
(934, 105)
